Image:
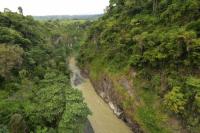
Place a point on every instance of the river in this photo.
(102, 119)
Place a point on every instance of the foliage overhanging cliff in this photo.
(160, 41)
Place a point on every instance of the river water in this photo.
(102, 119)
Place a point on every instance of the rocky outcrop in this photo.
(105, 89)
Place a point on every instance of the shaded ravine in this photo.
(102, 119)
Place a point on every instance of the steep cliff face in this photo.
(121, 93)
(106, 89)
(160, 40)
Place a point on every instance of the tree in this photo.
(7, 10)
(20, 10)
(10, 57)
(155, 6)
(17, 124)
(35, 91)
(175, 100)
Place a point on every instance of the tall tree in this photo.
(7, 10)
(20, 10)
(155, 6)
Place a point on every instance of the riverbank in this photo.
(102, 120)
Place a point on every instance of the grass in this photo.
(151, 120)
(96, 69)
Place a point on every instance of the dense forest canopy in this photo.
(144, 55)
(35, 91)
(68, 17)
(160, 41)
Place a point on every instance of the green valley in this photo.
(134, 68)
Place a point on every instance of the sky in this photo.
(56, 7)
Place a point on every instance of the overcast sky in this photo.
(56, 7)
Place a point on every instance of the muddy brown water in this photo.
(102, 120)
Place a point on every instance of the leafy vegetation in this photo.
(68, 17)
(160, 41)
(35, 91)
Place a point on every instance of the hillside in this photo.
(68, 17)
(143, 56)
(35, 91)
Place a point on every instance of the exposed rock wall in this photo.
(106, 90)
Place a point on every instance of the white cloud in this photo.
(56, 7)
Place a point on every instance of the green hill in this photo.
(153, 47)
(35, 91)
(68, 17)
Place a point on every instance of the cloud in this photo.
(56, 7)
